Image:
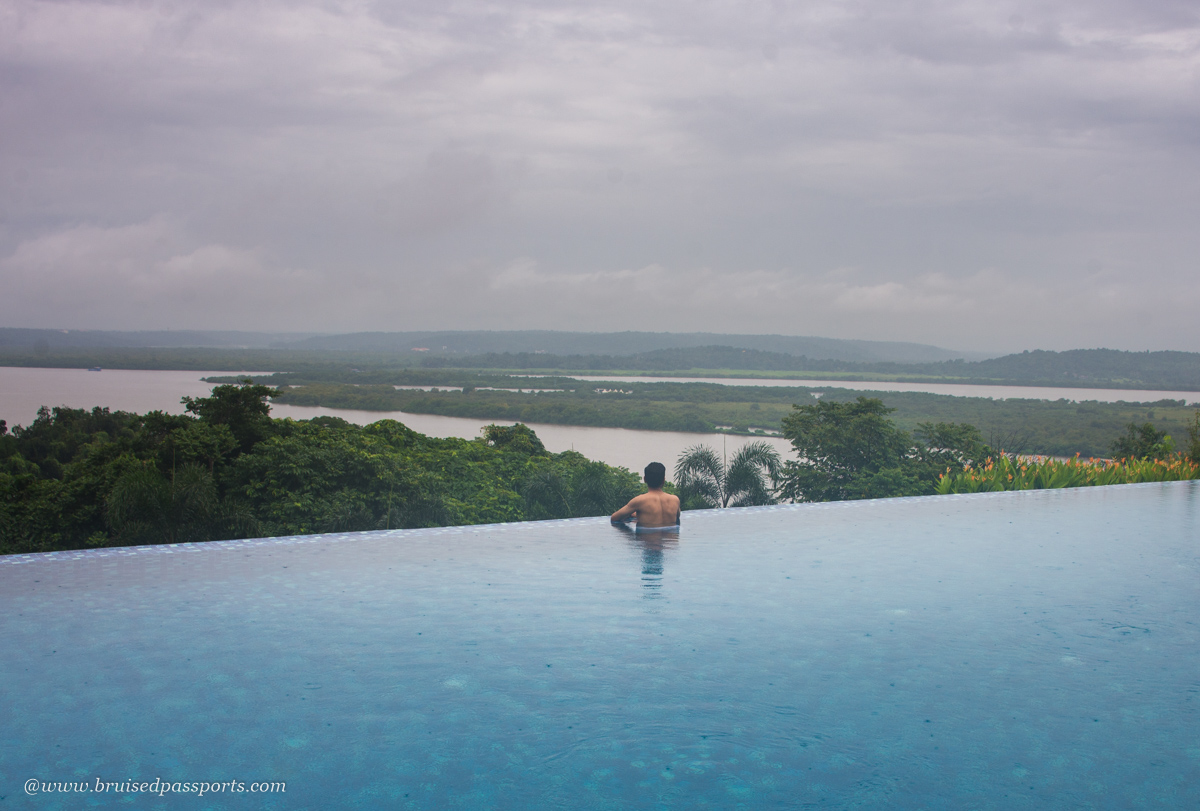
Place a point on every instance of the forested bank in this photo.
(1083, 368)
(79, 479)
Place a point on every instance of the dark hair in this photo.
(656, 474)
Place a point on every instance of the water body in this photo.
(1029, 650)
(23, 390)
(954, 389)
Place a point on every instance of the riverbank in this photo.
(1083, 369)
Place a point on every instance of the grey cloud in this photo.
(448, 191)
(860, 169)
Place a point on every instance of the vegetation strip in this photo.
(1079, 368)
(1056, 428)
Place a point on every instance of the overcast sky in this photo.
(979, 175)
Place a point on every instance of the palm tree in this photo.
(704, 478)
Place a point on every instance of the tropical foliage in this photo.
(1015, 473)
(853, 450)
(703, 478)
(1143, 442)
(1143, 454)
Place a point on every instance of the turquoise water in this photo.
(1018, 650)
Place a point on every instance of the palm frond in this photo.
(700, 476)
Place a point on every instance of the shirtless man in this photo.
(655, 509)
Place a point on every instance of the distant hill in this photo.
(658, 360)
(597, 351)
(1078, 367)
(109, 339)
(627, 343)
(1148, 370)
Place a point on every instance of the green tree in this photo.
(1142, 442)
(846, 450)
(242, 407)
(853, 450)
(519, 438)
(198, 442)
(570, 486)
(147, 507)
(1193, 450)
(705, 480)
(334, 477)
(947, 445)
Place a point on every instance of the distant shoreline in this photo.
(236, 362)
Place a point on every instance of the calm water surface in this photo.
(23, 390)
(1006, 651)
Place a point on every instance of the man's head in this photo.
(656, 474)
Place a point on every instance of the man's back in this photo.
(655, 508)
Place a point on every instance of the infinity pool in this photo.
(1018, 650)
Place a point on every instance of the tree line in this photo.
(1105, 368)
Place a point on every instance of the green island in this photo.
(1057, 428)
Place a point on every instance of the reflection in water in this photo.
(652, 544)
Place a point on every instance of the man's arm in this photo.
(627, 512)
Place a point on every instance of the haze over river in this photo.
(23, 390)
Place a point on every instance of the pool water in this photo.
(1016, 650)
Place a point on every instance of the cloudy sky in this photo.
(995, 175)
